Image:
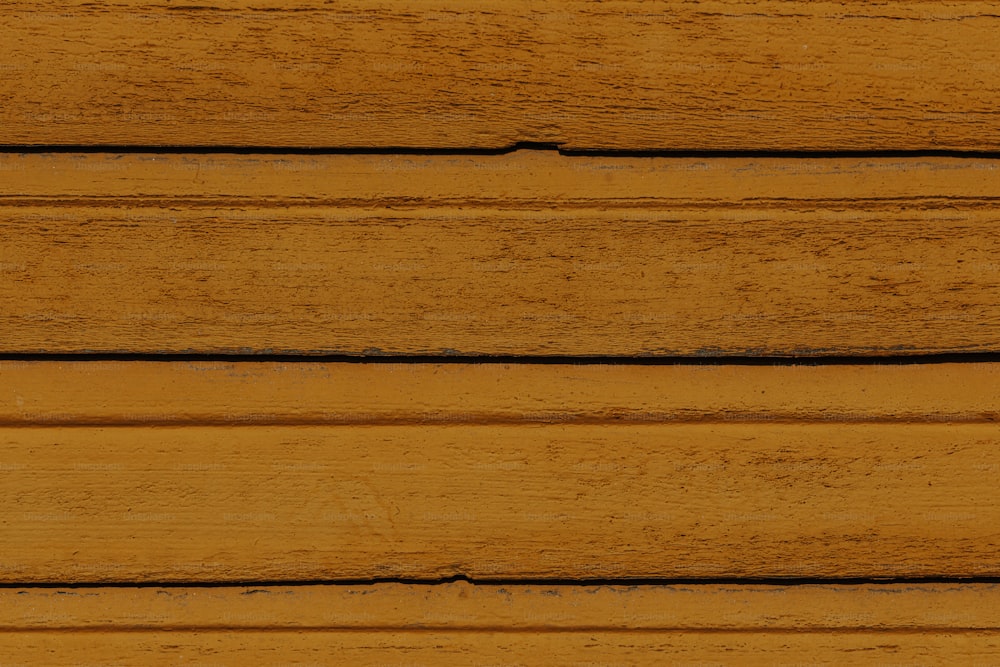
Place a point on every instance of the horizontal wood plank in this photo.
(626, 74)
(181, 393)
(421, 649)
(462, 624)
(127, 472)
(265, 503)
(512, 254)
(524, 608)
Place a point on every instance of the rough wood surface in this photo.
(446, 648)
(624, 74)
(348, 471)
(220, 473)
(267, 503)
(461, 624)
(509, 608)
(530, 253)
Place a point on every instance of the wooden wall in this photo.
(439, 332)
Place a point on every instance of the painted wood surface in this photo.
(418, 481)
(530, 253)
(461, 624)
(627, 74)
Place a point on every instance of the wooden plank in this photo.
(624, 74)
(332, 470)
(420, 649)
(509, 608)
(312, 393)
(295, 503)
(525, 625)
(507, 254)
(182, 471)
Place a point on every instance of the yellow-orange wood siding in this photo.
(543, 474)
(525, 254)
(461, 624)
(310, 185)
(622, 74)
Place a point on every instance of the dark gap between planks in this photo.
(519, 146)
(375, 358)
(639, 581)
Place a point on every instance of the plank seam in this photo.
(25, 149)
(595, 582)
(43, 421)
(501, 629)
(376, 357)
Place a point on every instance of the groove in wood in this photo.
(108, 393)
(461, 624)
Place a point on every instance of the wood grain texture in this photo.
(109, 393)
(265, 503)
(453, 73)
(461, 624)
(422, 649)
(509, 254)
(311, 471)
(461, 606)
